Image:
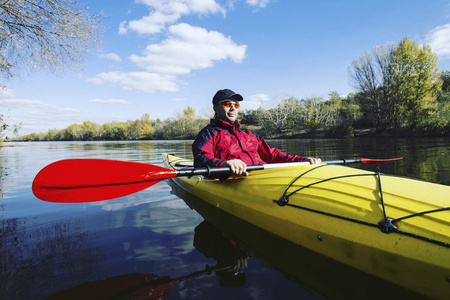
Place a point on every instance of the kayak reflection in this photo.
(213, 243)
(319, 275)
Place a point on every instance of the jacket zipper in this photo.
(242, 148)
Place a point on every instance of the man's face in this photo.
(227, 111)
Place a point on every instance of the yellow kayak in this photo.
(392, 227)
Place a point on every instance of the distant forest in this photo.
(400, 91)
(334, 117)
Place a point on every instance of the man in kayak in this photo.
(223, 142)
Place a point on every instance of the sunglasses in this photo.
(229, 103)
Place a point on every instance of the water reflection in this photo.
(229, 257)
(423, 158)
(46, 247)
(36, 263)
(318, 274)
(39, 258)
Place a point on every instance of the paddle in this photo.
(130, 286)
(88, 180)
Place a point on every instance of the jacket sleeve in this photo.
(274, 155)
(203, 149)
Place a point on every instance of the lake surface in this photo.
(151, 244)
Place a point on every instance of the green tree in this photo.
(398, 85)
(146, 126)
(186, 125)
(114, 131)
(415, 83)
(53, 135)
(441, 119)
(91, 131)
(346, 108)
(444, 94)
(250, 117)
(73, 133)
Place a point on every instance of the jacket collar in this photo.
(225, 124)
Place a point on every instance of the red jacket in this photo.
(220, 141)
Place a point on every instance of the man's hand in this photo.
(313, 161)
(238, 167)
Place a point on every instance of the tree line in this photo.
(335, 116)
(399, 91)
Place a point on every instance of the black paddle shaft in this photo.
(207, 171)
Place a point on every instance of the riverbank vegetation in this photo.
(333, 117)
(399, 92)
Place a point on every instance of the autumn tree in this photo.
(45, 34)
(54, 35)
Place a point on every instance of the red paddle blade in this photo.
(87, 180)
(377, 161)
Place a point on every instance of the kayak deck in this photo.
(337, 211)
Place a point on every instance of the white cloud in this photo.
(112, 56)
(155, 22)
(27, 103)
(186, 48)
(255, 101)
(22, 103)
(166, 12)
(439, 41)
(189, 48)
(259, 3)
(259, 97)
(95, 80)
(122, 28)
(110, 101)
(38, 116)
(138, 81)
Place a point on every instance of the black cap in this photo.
(224, 95)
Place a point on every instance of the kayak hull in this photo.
(336, 211)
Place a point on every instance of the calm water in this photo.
(152, 244)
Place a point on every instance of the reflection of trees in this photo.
(423, 158)
(3, 174)
(42, 257)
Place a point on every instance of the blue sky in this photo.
(161, 56)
